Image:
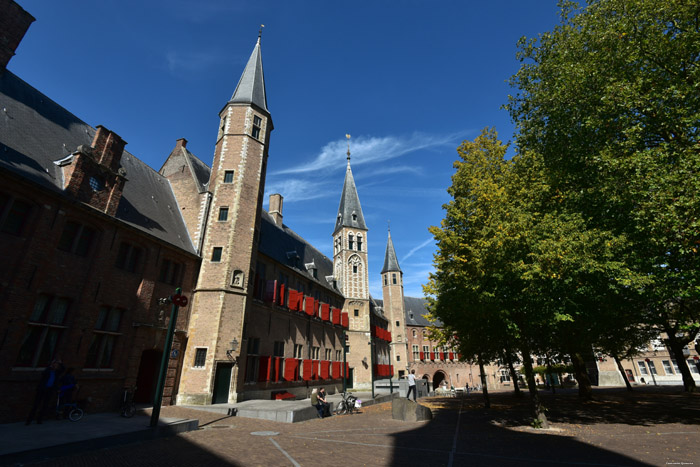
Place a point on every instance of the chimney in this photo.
(181, 143)
(108, 148)
(14, 22)
(276, 208)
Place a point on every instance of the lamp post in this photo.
(177, 300)
(651, 370)
(371, 359)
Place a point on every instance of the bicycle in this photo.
(347, 404)
(128, 408)
(74, 412)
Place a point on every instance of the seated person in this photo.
(315, 403)
(323, 406)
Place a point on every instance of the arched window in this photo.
(359, 242)
(351, 241)
(414, 333)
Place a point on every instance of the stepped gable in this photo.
(35, 132)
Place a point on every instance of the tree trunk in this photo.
(622, 372)
(676, 347)
(540, 417)
(484, 389)
(513, 374)
(584, 383)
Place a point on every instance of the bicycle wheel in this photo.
(75, 414)
(341, 409)
(128, 410)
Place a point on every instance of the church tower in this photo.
(229, 243)
(392, 294)
(351, 272)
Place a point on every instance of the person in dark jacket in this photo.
(48, 384)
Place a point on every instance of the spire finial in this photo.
(348, 138)
(260, 32)
(388, 226)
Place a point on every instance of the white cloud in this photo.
(366, 150)
(430, 241)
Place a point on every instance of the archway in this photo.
(438, 378)
(426, 377)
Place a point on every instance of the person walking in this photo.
(412, 385)
(45, 390)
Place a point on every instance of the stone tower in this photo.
(351, 271)
(392, 294)
(229, 242)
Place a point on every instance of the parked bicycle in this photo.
(128, 409)
(70, 410)
(348, 404)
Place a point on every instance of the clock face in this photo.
(97, 184)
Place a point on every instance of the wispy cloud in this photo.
(366, 150)
(178, 61)
(429, 241)
(297, 190)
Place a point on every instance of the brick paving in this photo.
(649, 427)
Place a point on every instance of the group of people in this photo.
(318, 400)
(55, 381)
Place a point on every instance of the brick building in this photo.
(90, 239)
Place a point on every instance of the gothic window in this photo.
(351, 242)
(359, 242)
(257, 123)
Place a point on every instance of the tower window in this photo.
(385, 280)
(216, 254)
(200, 357)
(351, 242)
(354, 268)
(357, 312)
(393, 279)
(228, 176)
(257, 123)
(397, 323)
(359, 243)
(223, 213)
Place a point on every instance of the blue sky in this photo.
(409, 80)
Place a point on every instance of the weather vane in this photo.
(260, 31)
(347, 135)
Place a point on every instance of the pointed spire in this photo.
(390, 261)
(251, 86)
(349, 211)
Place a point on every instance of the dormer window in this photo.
(257, 123)
(354, 216)
(97, 183)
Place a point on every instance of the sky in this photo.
(408, 80)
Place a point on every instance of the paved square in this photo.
(652, 426)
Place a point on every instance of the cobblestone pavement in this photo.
(648, 427)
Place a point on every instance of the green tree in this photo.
(610, 100)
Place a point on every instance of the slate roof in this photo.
(199, 170)
(349, 205)
(286, 247)
(35, 131)
(251, 86)
(414, 309)
(390, 261)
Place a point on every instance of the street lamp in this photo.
(177, 301)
